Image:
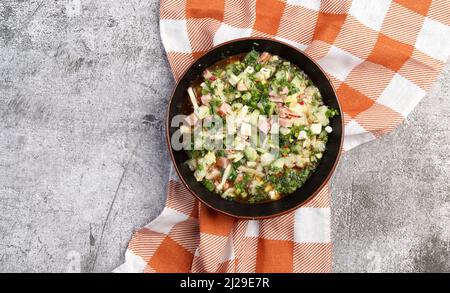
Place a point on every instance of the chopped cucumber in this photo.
(251, 154)
(202, 112)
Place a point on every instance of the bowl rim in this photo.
(169, 144)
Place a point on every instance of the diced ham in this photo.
(285, 122)
(289, 77)
(224, 109)
(276, 99)
(284, 112)
(264, 125)
(264, 57)
(213, 173)
(191, 119)
(208, 120)
(293, 114)
(222, 162)
(241, 86)
(207, 74)
(205, 99)
(284, 91)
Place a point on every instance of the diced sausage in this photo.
(224, 109)
(283, 111)
(205, 99)
(264, 125)
(284, 91)
(241, 86)
(276, 99)
(264, 57)
(191, 119)
(207, 74)
(222, 162)
(285, 122)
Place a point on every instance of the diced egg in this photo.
(266, 72)
(328, 129)
(291, 99)
(273, 194)
(316, 128)
(249, 69)
(243, 111)
(298, 109)
(266, 159)
(284, 130)
(239, 146)
(233, 80)
(251, 164)
(302, 135)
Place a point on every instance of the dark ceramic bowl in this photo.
(329, 160)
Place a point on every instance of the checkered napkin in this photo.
(381, 55)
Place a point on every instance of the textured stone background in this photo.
(80, 170)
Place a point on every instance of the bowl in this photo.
(178, 105)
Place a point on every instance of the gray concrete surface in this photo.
(79, 170)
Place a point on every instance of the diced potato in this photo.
(209, 158)
(321, 117)
(291, 99)
(319, 146)
(311, 90)
(199, 174)
(266, 159)
(192, 164)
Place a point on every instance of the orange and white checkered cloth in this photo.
(381, 55)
